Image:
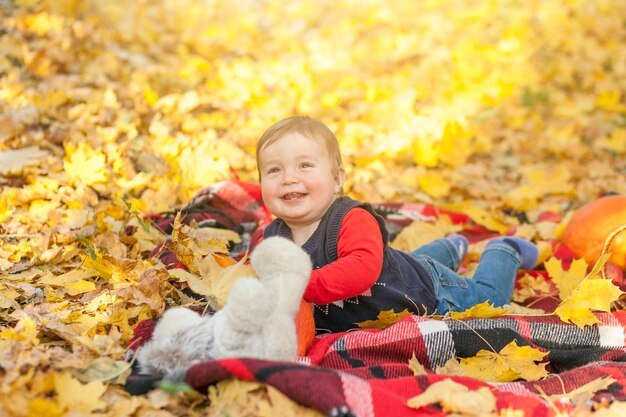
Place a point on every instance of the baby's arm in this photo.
(360, 253)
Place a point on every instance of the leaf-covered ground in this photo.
(113, 109)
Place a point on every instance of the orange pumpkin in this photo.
(590, 226)
(305, 327)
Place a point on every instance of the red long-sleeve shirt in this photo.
(359, 263)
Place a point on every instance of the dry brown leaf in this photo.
(456, 398)
(416, 367)
(13, 162)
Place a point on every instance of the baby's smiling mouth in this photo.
(293, 196)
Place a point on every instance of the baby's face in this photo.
(297, 180)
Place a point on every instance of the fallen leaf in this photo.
(214, 281)
(385, 319)
(9, 127)
(511, 363)
(481, 216)
(416, 366)
(5, 208)
(566, 281)
(456, 398)
(74, 395)
(483, 310)
(419, 233)
(592, 387)
(237, 397)
(24, 331)
(434, 185)
(85, 164)
(105, 370)
(592, 294)
(529, 286)
(13, 162)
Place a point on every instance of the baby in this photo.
(356, 275)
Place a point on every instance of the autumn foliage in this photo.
(510, 112)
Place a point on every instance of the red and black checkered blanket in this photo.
(365, 373)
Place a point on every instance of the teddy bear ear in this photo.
(279, 255)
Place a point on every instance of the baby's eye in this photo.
(272, 170)
(306, 165)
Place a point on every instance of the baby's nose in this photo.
(290, 176)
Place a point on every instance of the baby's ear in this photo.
(340, 178)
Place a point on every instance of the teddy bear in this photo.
(256, 321)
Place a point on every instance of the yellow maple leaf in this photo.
(74, 395)
(566, 281)
(456, 398)
(85, 164)
(385, 319)
(482, 310)
(455, 147)
(592, 294)
(511, 363)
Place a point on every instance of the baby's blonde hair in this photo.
(309, 128)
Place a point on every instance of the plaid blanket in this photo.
(365, 373)
(233, 205)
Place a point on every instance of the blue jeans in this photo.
(493, 279)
